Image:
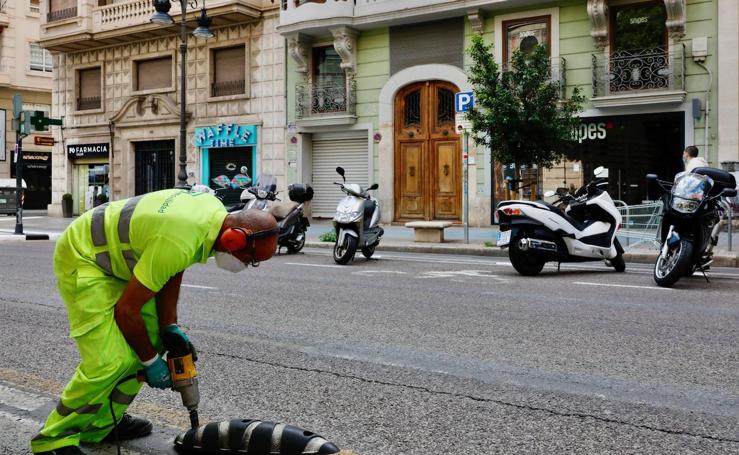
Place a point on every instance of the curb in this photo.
(723, 259)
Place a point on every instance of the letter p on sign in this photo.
(464, 101)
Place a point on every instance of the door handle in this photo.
(445, 132)
(446, 170)
(412, 171)
(410, 134)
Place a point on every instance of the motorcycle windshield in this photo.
(267, 183)
(691, 186)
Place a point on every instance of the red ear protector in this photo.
(235, 239)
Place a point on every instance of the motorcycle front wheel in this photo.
(345, 252)
(673, 265)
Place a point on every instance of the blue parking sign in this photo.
(464, 101)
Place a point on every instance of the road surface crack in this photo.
(524, 407)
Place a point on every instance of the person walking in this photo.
(691, 158)
(119, 269)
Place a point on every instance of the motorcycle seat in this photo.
(282, 209)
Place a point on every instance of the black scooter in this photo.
(290, 216)
(693, 207)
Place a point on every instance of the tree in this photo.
(519, 114)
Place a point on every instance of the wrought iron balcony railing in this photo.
(557, 71)
(84, 104)
(641, 70)
(61, 14)
(325, 99)
(227, 88)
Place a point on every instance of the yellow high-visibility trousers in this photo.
(106, 375)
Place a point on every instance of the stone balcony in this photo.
(128, 21)
(317, 17)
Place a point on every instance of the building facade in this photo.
(116, 84)
(26, 70)
(371, 88)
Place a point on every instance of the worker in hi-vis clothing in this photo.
(119, 269)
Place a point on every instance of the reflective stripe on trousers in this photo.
(97, 231)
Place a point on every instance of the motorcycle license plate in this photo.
(503, 239)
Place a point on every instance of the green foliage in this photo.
(489, 243)
(518, 112)
(328, 236)
(66, 197)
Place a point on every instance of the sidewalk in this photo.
(397, 238)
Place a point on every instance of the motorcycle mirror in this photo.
(729, 192)
(600, 171)
(549, 193)
(651, 177)
(373, 187)
(340, 171)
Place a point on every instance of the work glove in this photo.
(157, 373)
(176, 342)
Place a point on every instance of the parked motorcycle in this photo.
(538, 232)
(290, 216)
(357, 221)
(693, 206)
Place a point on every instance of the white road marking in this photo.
(24, 218)
(329, 266)
(197, 286)
(374, 272)
(21, 400)
(654, 288)
(456, 274)
(22, 420)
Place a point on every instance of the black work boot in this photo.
(69, 450)
(130, 427)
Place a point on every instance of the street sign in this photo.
(43, 140)
(462, 122)
(464, 101)
(17, 106)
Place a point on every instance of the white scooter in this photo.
(357, 221)
(539, 232)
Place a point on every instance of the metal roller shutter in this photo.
(329, 151)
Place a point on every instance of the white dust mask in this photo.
(228, 261)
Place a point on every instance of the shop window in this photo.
(34, 6)
(524, 34)
(228, 71)
(40, 59)
(61, 9)
(89, 89)
(152, 74)
(329, 81)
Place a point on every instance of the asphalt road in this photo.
(417, 354)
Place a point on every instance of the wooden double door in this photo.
(428, 159)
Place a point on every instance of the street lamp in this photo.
(162, 17)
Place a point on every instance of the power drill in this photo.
(181, 359)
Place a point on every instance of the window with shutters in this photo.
(89, 85)
(153, 74)
(228, 71)
(34, 6)
(61, 9)
(40, 59)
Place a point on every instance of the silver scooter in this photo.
(357, 221)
